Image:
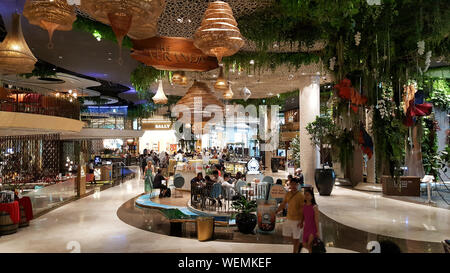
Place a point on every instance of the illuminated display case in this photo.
(234, 167)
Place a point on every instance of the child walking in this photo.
(310, 219)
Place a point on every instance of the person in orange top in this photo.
(295, 200)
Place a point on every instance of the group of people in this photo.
(152, 167)
(204, 185)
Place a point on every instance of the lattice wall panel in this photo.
(27, 159)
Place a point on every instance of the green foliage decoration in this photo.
(242, 205)
(440, 96)
(322, 131)
(430, 156)
(100, 30)
(295, 146)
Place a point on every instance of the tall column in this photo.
(267, 154)
(309, 109)
(371, 177)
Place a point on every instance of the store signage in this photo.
(277, 192)
(157, 126)
(172, 53)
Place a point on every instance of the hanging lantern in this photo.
(199, 92)
(228, 94)
(246, 93)
(15, 55)
(160, 97)
(218, 34)
(177, 77)
(137, 18)
(50, 15)
(221, 83)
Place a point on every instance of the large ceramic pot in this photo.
(246, 222)
(324, 179)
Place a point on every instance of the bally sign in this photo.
(172, 53)
(156, 126)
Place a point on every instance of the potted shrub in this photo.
(245, 219)
(322, 132)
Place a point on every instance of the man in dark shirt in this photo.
(157, 183)
(197, 185)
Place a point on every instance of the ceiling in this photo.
(81, 53)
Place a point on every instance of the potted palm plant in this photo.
(245, 219)
(322, 133)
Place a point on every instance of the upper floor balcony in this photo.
(26, 101)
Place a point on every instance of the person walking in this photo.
(149, 170)
(310, 219)
(295, 201)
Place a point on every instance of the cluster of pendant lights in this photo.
(219, 36)
(135, 18)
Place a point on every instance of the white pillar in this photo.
(309, 109)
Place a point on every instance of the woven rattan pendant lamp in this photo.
(218, 34)
(15, 55)
(135, 18)
(50, 15)
(198, 93)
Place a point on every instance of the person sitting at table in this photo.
(228, 186)
(216, 177)
(238, 176)
(279, 182)
(207, 189)
(157, 183)
(197, 185)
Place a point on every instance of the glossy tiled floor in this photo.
(385, 216)
(92, 223)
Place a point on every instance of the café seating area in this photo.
(26, 101)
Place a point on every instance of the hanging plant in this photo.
(295, 146)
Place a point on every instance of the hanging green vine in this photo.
(99, 30)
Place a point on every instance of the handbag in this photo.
(318, 246)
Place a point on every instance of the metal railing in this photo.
(206, 198)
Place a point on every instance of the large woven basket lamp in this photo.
(218, 34)
(200, 91)
(135, 18)
(50, 15)
(15, 55)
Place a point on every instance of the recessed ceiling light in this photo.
(60, 57)
(109, 59)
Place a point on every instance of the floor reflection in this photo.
(334, 234)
